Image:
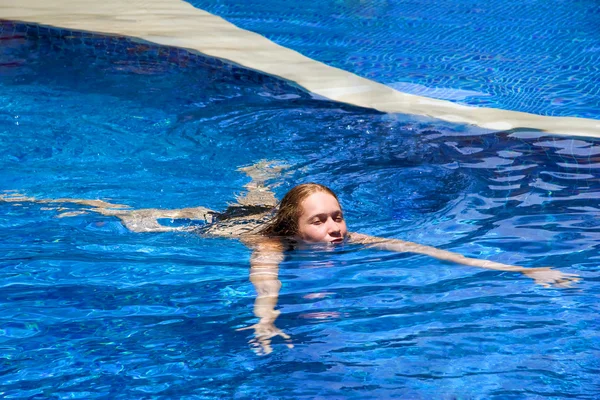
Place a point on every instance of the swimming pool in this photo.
(90, 309)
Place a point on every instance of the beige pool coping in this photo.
(177, 23)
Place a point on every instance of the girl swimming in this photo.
(308, 213)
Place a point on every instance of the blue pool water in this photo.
(537, 56)
(91, 310)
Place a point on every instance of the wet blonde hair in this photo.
(285, 222)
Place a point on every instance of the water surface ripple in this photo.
(91, 310)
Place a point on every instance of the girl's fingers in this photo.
(285, 336)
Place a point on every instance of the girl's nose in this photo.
(333, 227)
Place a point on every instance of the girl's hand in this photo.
(548, 277)
(264, 331)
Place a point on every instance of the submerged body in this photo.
(309, 213)
(245, 217)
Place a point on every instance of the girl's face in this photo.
(321, 219)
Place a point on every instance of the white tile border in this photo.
(177, 23)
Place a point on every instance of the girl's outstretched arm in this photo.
(544, 276)
(136, 220)
(266, 256)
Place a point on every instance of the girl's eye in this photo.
(339, 219)
(316, 222)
